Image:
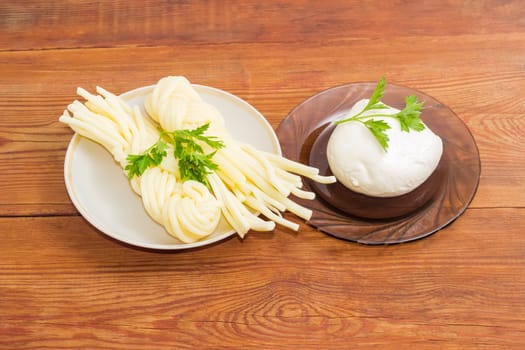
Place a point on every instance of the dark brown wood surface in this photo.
(63, 284)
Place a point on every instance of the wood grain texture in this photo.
(490, 104)
(33, 24)
(65, 285)
(80, 287)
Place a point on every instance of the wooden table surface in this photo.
(64, 284)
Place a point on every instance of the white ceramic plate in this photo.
(100, 190)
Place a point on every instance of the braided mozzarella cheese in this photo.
(188, 211)
(248, 181)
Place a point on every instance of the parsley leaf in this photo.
(408, 117)
(378, 127)
(138, 163)
(194, 163)
(196, 166)
(375, 100)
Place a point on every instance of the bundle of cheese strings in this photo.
(246, 182)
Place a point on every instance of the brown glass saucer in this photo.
(454, 184)
(368, 207)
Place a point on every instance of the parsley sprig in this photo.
(408, 117)
(194, 163)
(138, 163)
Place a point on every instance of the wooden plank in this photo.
(461, 287)
(482, 84)
(63, 284)
(37, 24)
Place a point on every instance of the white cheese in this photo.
(359, 162)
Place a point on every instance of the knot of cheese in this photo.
(186, 209)
(175, 105)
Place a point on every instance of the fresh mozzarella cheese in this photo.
(359, 162)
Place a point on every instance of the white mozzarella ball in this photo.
(359, 162)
